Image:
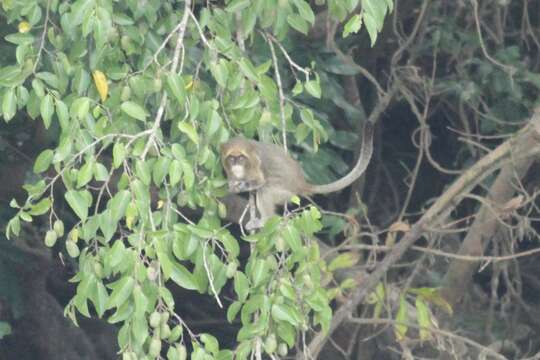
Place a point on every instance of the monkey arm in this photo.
(239, 186)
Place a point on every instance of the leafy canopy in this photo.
(140, 95)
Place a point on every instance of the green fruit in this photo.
(164, 317)
(58, 227)
(155, 348)
(282, 349)
(231, 269)
(72, 249)
(155, 319)
(165, 331)
(50, 238)
(182, 352)
(176, 332)
(129, 355)
(126, 93)
(98, 270)
(270, 344)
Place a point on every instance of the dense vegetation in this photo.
(115, 205)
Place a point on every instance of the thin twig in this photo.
(281, 95)
(210, 276)
(507, 68)
(470, 258)
(291, 62)
(43, 34)
(432, 329)
(176, 58)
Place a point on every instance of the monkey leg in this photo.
(254, 222)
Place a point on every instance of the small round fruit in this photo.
(155, 319)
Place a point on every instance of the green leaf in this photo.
(371, 26)
(175, 172)
(230, 243)
(63, 114)
(160, 170)
(78, 202)
(100, 172)
(188, 129)
(291, 235)
(237, 5)
(9, 105)
(119, 154)
(287, 333)
(100, 298)
(298, 23)
(43, 161)
(189, 175)
(352, 26)
(85, 173)
(107, 224)
(41, 207)
(143, 171)
(210, 343)
(241, 286)
(63, 150)
(134, 110)
(258, 272)
(80, 108)
(313, 88)
(283, 312)
(220, 72)
(247, 68)
(298, 88)
(13, 227)
(38, 87)
(423, 317)
(46, 110)
(233, 310)
(122, 290)
(343, 261)
(177, 88)
(305, 11)
(141, 300)
(119, 203)
(50, 78)
(402, 316)
(181, 276)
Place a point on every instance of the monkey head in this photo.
(242, 165)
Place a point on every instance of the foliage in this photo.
(139, 110)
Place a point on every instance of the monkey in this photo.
(242, 165)
(275, 177)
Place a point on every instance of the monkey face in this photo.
(237, 166)
(242, 165)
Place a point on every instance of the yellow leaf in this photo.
(24, 27)
(101, 84)
(399, 226)
(402, 316)
(74, 235)
(189, 85)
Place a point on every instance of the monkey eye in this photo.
(241, 158)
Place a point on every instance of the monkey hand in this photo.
(254, 224)
(239, 186)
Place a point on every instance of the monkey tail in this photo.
(364, 158)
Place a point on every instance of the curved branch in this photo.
(526, 144)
